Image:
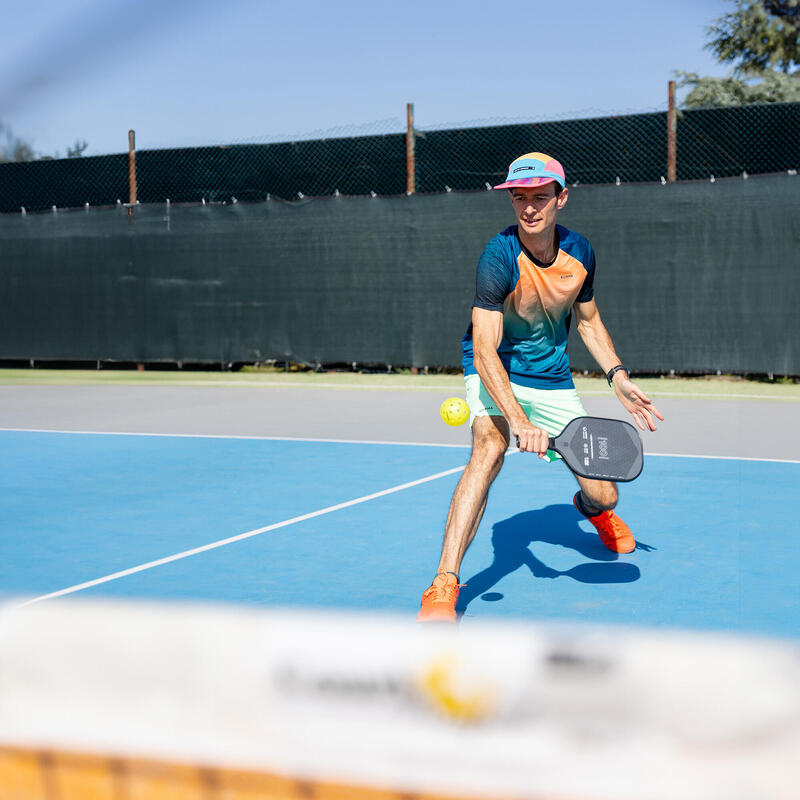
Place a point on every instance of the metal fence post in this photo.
(672, 150)
(131, 171)
(411, 165)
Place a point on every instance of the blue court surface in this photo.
(717, 537)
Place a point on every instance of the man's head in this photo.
(537, 186)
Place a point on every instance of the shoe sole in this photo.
(437, 616)
(614, 547)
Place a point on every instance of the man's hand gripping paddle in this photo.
(600, 448)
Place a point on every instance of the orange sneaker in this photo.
(614, 533)
(439, 601)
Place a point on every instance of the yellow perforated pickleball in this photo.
(454, 411)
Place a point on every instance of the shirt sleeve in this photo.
(493, 280)
(587, 290)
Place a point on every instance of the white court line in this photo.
(457, 388)
(355, 441)
(725, 458)
(238, 538)
(693, 395)
(232, 436)
(248, 385)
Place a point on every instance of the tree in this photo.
(758, 36)
(14, 148)
(772, 87)
(76, 151)
(761, 38)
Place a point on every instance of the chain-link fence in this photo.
(716, 142)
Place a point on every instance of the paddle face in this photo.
(600, 448)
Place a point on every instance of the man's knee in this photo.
(601, 495)
(488, 451)
(489, 458)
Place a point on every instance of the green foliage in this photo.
(771, 87)
(758, 36)
(761, 38)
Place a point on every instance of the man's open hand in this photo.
(636, 402)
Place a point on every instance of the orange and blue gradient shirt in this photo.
(536, 303)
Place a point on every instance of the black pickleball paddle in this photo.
(600, 448)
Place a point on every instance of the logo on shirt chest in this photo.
(568, 275)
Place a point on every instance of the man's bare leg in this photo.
(490, 438)
(489, 444)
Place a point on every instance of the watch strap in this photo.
(614, 370)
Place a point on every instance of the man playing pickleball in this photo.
(530, 278)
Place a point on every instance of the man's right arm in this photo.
(487, 333)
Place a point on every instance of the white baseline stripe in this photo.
(231, 436)
(457, 388)
(694, 395)
(356, 441)
(725, 458)
(244, 385)
(239, 537)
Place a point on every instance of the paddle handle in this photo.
(551, 443)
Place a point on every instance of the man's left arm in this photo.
(598, 342)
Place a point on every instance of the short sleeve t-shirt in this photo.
(536, 302)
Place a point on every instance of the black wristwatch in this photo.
(613, 371)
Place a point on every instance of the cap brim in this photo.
(527, 183)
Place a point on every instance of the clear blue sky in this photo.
(188, 72)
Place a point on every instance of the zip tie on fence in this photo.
(300, 195)
(617, 181)
(336, 193)
(745, 176)
(447, 188)
(372, 194)
(712, 179)
(488, 186)
(663, 181)
(24, 212)
(54, 210)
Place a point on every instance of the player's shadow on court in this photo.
(557, 525)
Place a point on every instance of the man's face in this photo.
(536, 206)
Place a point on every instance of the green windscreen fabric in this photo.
(694, 277)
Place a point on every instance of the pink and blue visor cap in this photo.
(533, 169)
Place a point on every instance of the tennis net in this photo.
(118, 701)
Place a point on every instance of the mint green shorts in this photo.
(550, 409)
